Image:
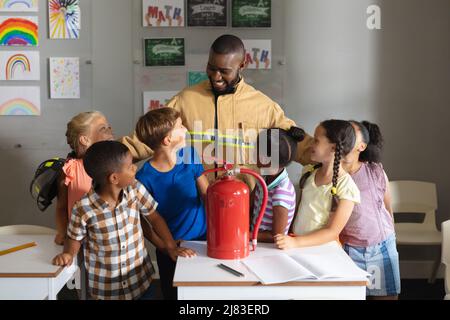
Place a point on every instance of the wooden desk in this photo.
(29, 274)
(199, 278)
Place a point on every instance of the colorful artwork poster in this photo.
(163, 13)
(64, 19)
(19, 5)
(19, 31)
(157, 99)
(64, 78)
(258, 54)
(163, 52)
(19, 65)
(20, 101)
(207, 13)
(252, 13)
(195, 77)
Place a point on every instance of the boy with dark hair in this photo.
(108, 217)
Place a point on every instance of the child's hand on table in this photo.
(284, 242)
(181, 252)
(63, 259)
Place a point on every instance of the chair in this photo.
(446, 256)
(416, 197)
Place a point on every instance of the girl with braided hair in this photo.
(328, 192)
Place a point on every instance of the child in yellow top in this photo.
(329, 193)
(83, 130)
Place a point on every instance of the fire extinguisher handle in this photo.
(213, 171)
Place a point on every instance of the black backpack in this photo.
(44, 187)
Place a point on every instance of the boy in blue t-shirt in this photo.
(174, 178)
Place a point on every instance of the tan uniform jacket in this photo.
(240, 117)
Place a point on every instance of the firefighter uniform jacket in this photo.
(225, 127)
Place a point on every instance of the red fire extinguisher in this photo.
(228, 215)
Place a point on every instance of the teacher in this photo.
(224, 114)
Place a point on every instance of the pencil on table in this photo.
(21, 247)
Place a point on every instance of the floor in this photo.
(420, 289)
(411, 290)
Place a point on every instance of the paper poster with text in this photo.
(157, 99)
(258, 54)
(163, 13)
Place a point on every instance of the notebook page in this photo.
(330, 265)
(277, 269)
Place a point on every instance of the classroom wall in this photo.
(112, 41)
(27, 141)
(112, 35)
(106, 75)
(335, 67)
(198, 42)
(397, 77)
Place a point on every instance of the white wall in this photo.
(113, 62)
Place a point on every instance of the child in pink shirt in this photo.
(83, 131)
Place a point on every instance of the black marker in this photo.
(230, 270)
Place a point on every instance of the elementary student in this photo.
(174, 177)
(108, 219)
(369, 236)
(328, 193)
(281, 202)
(83, 130)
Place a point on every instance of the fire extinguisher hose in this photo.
(263, 205)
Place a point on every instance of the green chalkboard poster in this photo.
(164, 52)
(252, 13)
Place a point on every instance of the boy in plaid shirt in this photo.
(108, 217)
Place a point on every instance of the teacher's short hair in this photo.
(227, 44)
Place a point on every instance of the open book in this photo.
(296, 265)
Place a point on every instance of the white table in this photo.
(199, 278)
(29, 274)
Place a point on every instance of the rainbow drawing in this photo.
(19, 107)
(15, 62)
(19, 5)
(19, 31)
(19, 65)
(64, 19)
(20, 101)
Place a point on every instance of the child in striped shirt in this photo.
(281, 150)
